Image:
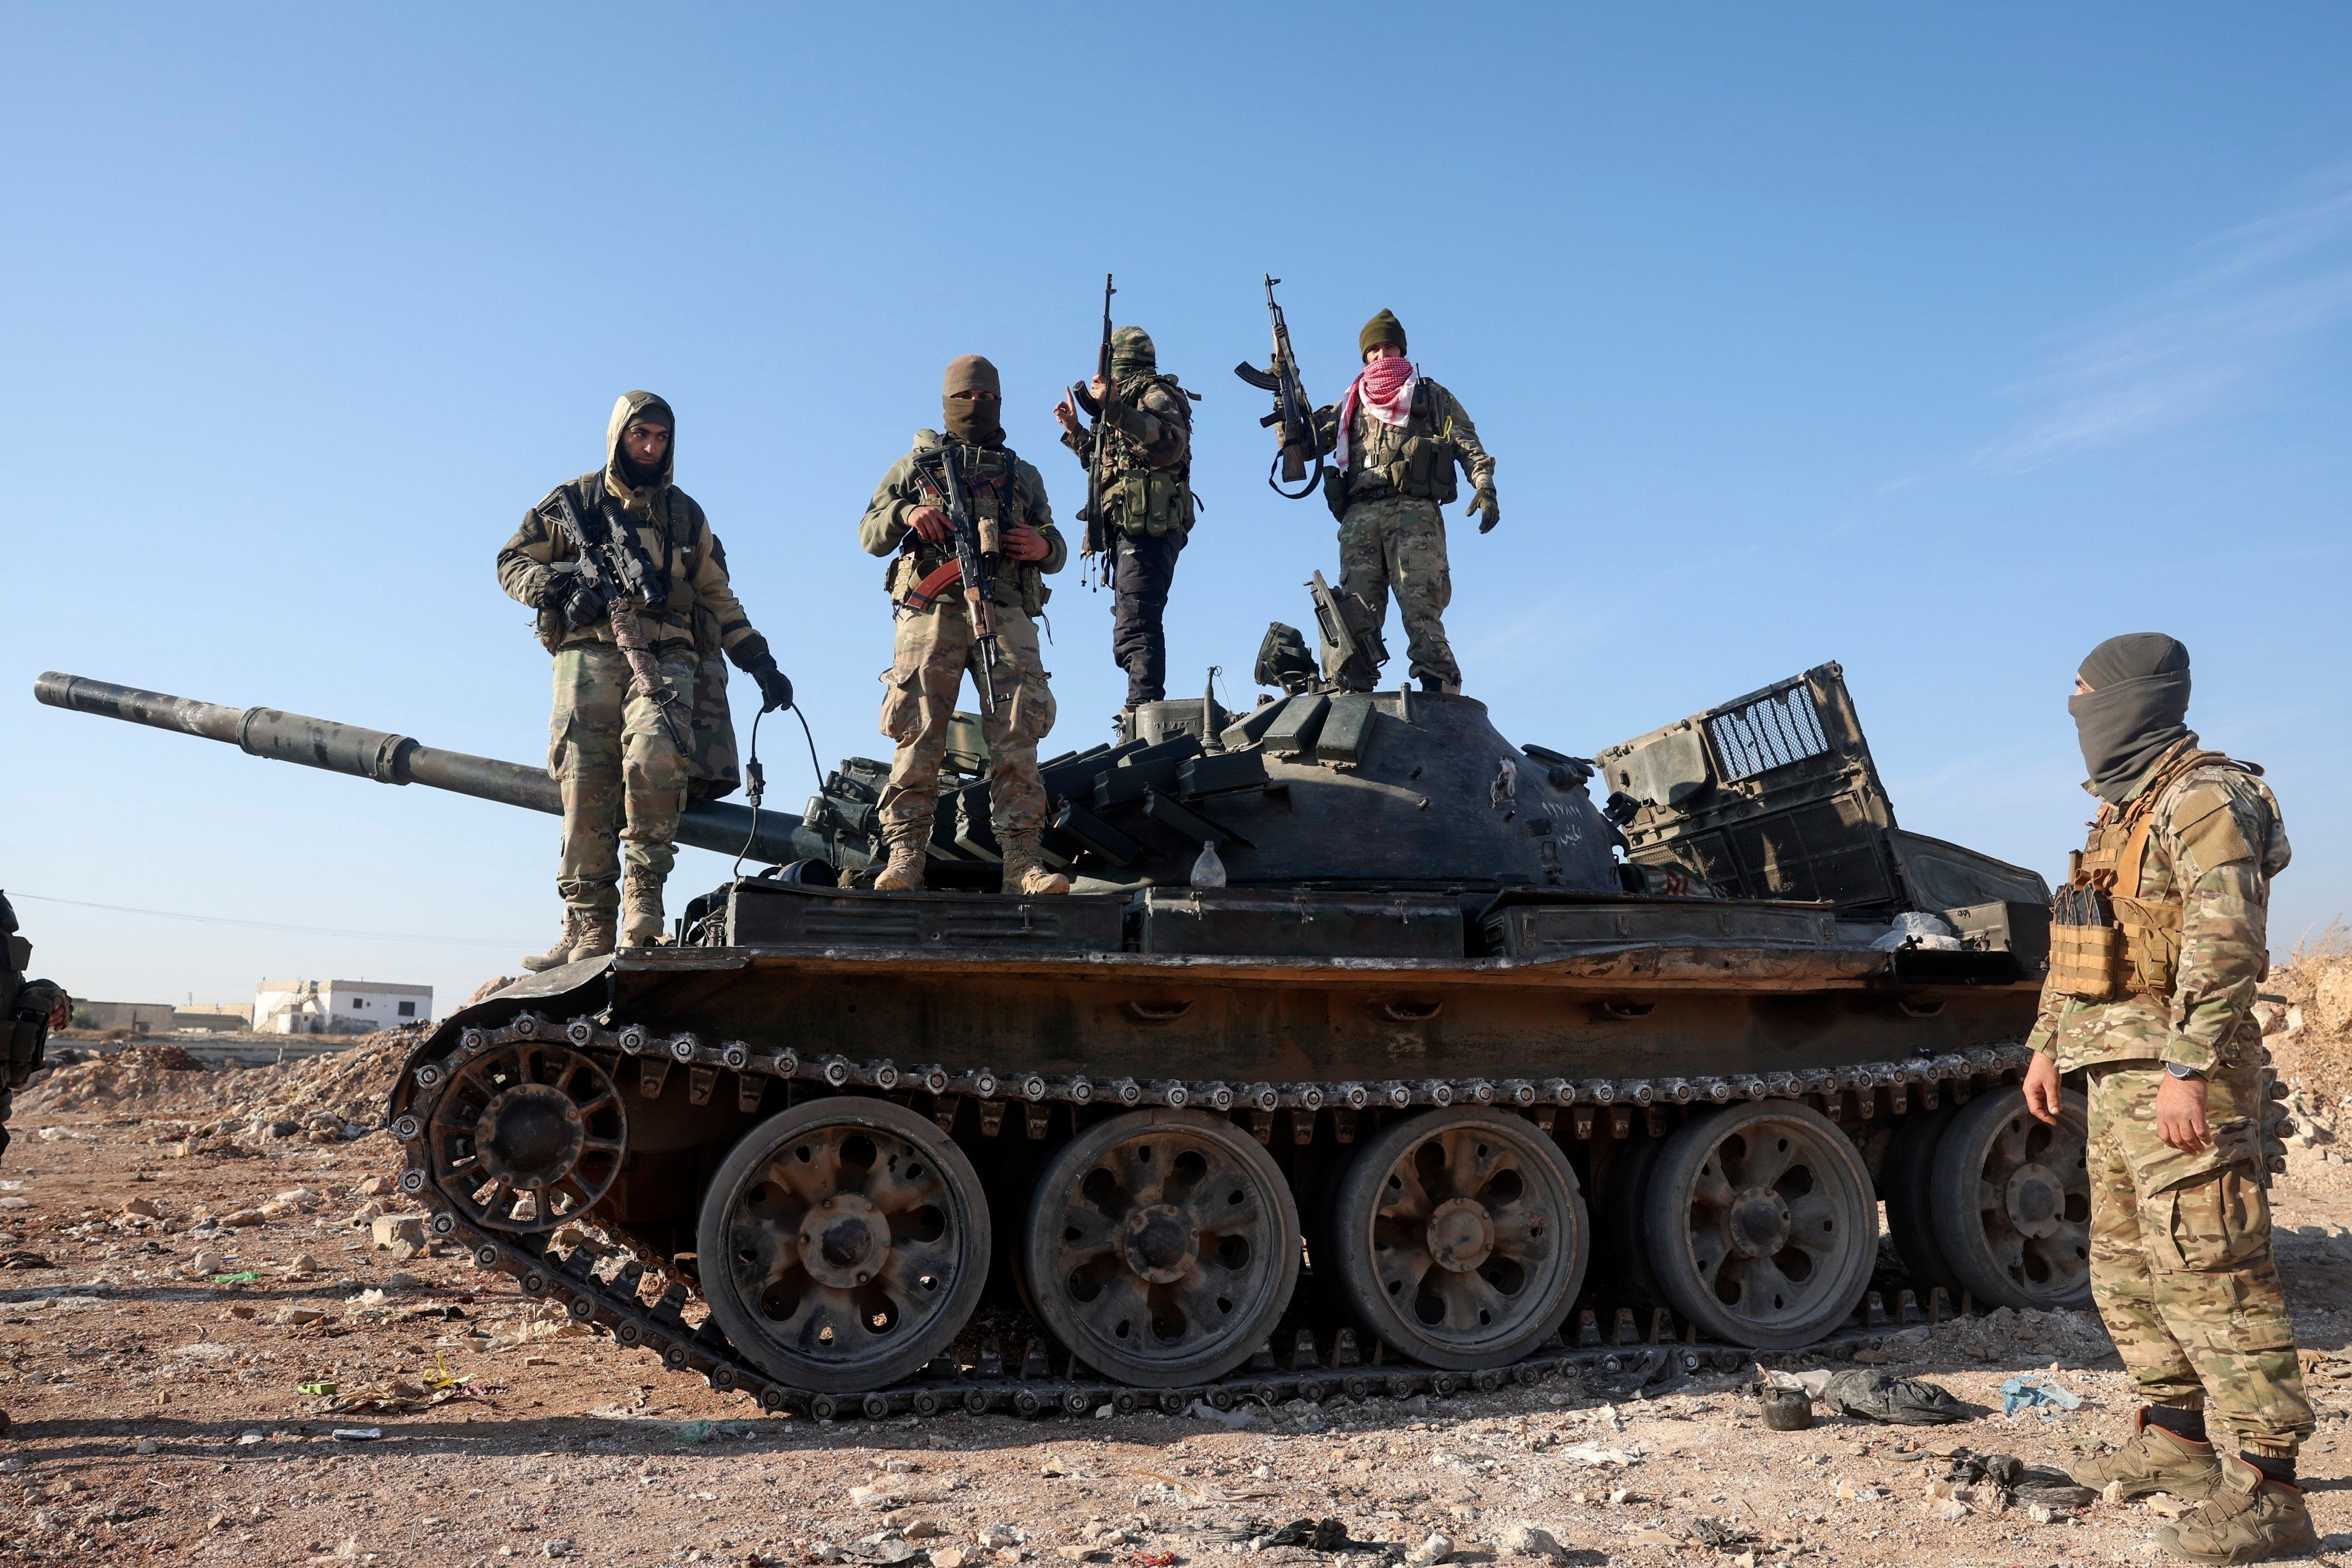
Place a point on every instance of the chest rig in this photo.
(1138, 500)
(2106, 938)
(1415, 458)
(918, 574)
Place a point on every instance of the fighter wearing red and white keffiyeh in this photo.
(1398, 437)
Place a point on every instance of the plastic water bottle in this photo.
(1208, 871)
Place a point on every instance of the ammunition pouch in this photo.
(1335, 492)
(1424, 469)
(2105, 940)
(1144, 503)
(2138, 955)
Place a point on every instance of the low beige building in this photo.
(139, 1018)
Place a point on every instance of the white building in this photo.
(337, 1006)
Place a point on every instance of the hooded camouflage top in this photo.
(670, 529)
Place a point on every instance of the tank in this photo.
(1371, 1054)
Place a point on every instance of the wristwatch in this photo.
(2177, 1070)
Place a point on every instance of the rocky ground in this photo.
(218, 1340)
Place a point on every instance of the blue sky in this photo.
(1941, 345)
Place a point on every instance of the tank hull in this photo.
(1601, 1052)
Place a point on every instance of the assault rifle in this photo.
(1095, 542)
(972, 561)
(1291, 410)
(618, 573)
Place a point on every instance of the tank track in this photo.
(613, 1304)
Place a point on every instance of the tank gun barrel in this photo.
(392, 759)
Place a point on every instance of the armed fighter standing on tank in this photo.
(970, 538)
(1395, 438)
(619, 563)
(1140, 464)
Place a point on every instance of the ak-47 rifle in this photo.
(971, 561)
(618, 573)
(1291, 410)
(1096, 544)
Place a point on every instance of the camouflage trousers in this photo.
(623, 778)
(1397, 543)
(934, 650)
(2181, 1259)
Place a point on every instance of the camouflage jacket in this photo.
(1376, 449)
(1154, 431)
(2215, 842)
(674, 536)
(1019, 584)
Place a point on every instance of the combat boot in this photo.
(1025, 872)
(595, 936)
(561, 953)
(641, 910)
(2249, 1518)
(904, 874)
(2155, 1460)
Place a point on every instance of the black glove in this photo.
(775, 686)
(753, 658)
(1485, 502)
(574, 602)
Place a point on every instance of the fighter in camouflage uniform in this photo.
(622, 776)
(2159, 944)
(906, 520)
(1397, 437)
(1147, 486)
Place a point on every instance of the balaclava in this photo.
(978, 421)
(2134, 711)
(1131, 353)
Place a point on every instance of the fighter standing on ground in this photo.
(935, 609)
(621, 564)
(29, 1009)
(2158, 944)
(1395, 438)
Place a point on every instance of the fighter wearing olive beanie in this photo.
(1384, 328)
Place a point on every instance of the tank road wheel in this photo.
(1763, 1228)
(1905, 1182)
(2010, 1200)
(528, 1135)
(843, 1244)
(1163, 1245)
(1460, 1238)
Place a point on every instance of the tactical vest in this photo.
(1415, 458)
(992, 485)
(673, 617)
(2105, 940)
(1139, 500)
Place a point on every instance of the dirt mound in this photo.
(2306, 1017)
(348, 1085)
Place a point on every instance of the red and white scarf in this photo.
(1385, 390)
